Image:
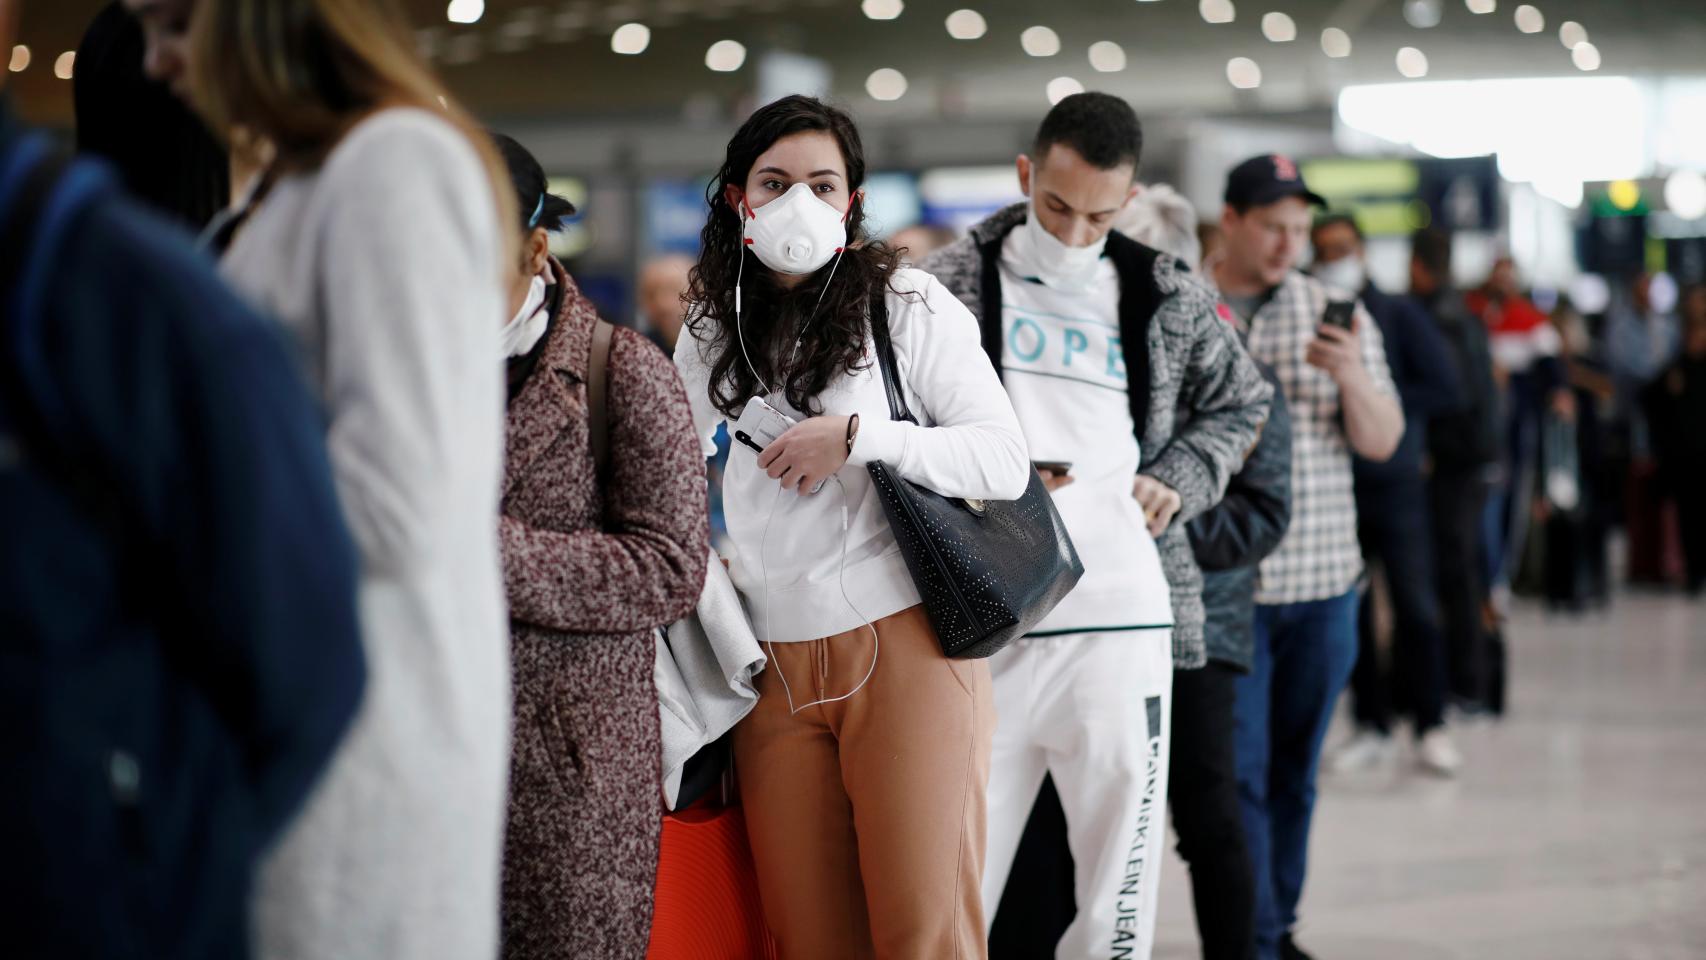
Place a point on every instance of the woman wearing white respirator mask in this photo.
(864, 765)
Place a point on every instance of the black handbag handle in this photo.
(898, 409)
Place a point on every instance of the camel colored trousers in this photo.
(867, 815)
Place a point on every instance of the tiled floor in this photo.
(1577, 830)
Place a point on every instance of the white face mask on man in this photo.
(1042, 255)
(1346, 274)
(795, 233)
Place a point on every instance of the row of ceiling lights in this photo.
(1245, 74)
(63, 65)
(1106, 56)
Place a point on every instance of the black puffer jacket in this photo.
(1230, 539)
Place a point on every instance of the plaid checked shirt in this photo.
(1319, 557)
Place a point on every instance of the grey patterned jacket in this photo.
(1198, 397)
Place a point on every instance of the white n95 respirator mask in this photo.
(796, 233)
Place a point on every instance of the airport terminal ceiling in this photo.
(526, 60)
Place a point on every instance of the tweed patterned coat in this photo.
(590, 573)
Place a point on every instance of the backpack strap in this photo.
(597, 389)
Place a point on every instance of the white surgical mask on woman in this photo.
(523, 331)
(1042, 255)
(796, 233)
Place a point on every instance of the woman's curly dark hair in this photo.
(771, 313)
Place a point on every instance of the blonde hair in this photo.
(296, 75)
(1160, 217)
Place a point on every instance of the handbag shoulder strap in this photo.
(597, 382)
(898, 409)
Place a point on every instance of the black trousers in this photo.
(1202, 790)
(1691, 517)
(1395, 532)
(1458, 496)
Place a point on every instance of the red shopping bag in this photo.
(706, 905)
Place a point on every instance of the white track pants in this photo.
(1094, 710)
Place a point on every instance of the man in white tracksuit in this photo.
(1100, 342)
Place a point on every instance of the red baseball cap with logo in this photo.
(1266, 179)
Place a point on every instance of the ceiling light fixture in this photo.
(1243, 73)
(1572, 34)
(1481, 6)
(725, 56)
(65, 65)
(1040, 42)
(966, 25)
(1107, 56)
(1217, 11)
(631, 39)
(1278, 27)
(20, 59)
(1412, 63)
(1335, 43)
(1685, 194)
(886, 84)
(1422, 14)
(465, 11)
(1585, 57)
(1060, 88)
(1529, 19)
(882, 9)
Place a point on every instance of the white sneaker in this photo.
(1437, 754)
(1365, 751)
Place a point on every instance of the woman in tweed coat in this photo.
(591, 570)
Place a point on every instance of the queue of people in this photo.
(271, 689)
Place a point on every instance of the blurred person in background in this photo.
(1640, 340)
(1342, 401)
(1464, 446)
(864, 766)
(663, 307)
(919, 241)
(604, 540)
(1392, 520)
(1127, 381)
(1161, 218)
(1525, 348)
(379, 236)
(177, 586)
(1212, 244)
(1228, 541)
(160, 148)
(1572, 484)
(1676, 406)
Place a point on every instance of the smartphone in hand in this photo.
(760, 425)
(1339, 313)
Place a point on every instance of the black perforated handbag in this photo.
(988, 570)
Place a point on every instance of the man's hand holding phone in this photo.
(1337, 348)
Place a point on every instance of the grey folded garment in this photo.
(704, 674)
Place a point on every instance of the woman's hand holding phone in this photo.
(808, 454)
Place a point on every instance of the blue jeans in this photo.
(1304, 654)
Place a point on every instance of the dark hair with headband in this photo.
(538, 207)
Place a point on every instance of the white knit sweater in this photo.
(384, 265)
